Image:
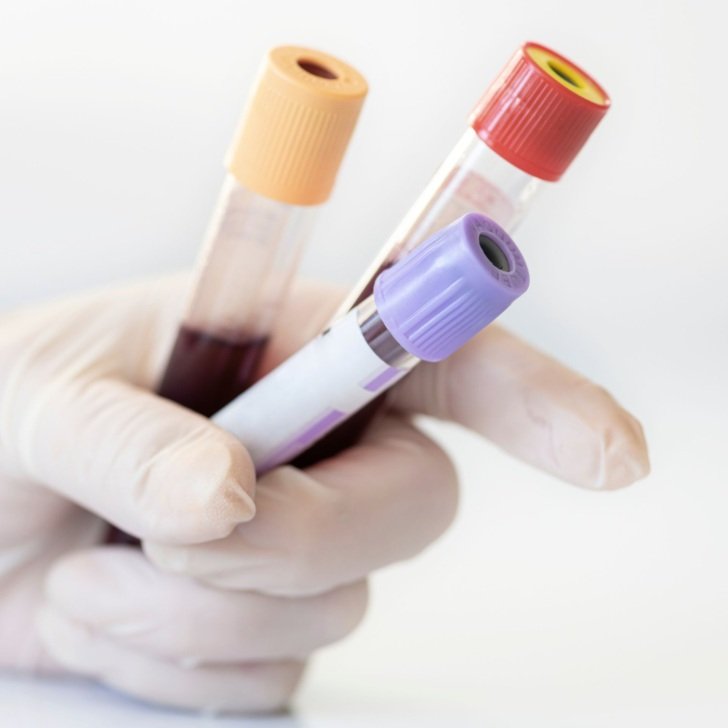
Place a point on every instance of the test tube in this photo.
(424, 307)
(280, 168)
(526, 129)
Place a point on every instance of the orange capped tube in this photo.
(281, 166)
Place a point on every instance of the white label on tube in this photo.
(305, 397)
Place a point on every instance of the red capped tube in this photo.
(527, 128)
(540, 111)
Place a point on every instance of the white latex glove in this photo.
(82, 440)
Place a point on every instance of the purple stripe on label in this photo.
(381, 380)
(300, 442)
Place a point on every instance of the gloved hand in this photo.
(280, 570)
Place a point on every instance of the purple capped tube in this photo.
(424, 308)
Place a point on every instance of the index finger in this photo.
(533, 407)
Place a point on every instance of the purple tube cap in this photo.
(444, 292)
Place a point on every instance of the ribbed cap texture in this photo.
(535, 121)
(297, 125)
(443, 293)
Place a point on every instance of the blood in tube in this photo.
(229, 368)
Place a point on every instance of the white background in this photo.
(544, 605)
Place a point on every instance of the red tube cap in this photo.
(540, 111)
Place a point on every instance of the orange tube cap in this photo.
(297, 125)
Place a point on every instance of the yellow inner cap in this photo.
(297, 125)
(566, 74)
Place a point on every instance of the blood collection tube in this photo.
(527, 128)
(424, 307)
(280, 168)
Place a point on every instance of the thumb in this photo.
(150, 467)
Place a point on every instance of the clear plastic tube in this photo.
(249, 257)
(281, 167)
(473, 178)
(250, 253)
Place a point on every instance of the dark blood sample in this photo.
(204, 373)
(344, 435)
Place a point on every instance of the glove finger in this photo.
(246, 687)
(116, 593)
(144, 464)
(34, 530)
(70, 420)
(379, 502)
(122, 332)
(534, 408)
